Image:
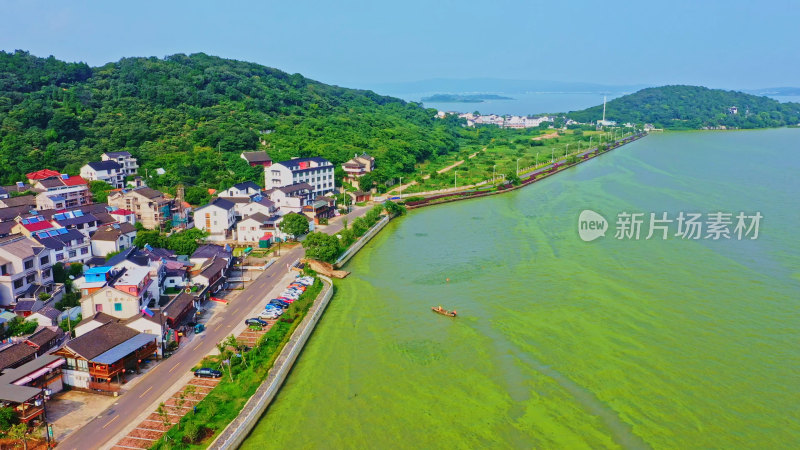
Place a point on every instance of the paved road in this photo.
(167, 374)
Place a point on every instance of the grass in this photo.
(223, 404)
(501, 157)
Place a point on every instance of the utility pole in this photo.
(518, 166)
(552, 155)
(493, 167)
(456, 177)
(401, 188)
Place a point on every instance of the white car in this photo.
(268, 314)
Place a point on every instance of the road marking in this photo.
(217, 327)
(145, 392)
(173, 368)
(109, 422)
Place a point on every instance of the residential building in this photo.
(66, 246)
(251, 229)
(291, 198)
(62, 192)
(46, 317)
(319, 209)
(23, 263)
(102, 358)
(24, 388)
(112, 238)
(180, 309)
(127, 163)
(150, 206)
(246, 189)
(208, 252)
(359, 196)
(123, 215)
(256, 159)
(357, 167)
(217, 218)
(30, 225)
(43, 174)
(27, 202)
(120, 293)
(109, 171)
(263, 205)
(317, 172)
(86, 223)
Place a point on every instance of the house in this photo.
(86, 223)
(123, 296)
(15, 355)
(43, 174)
(29, 225)
(319, 209)
(45, 339)
(25, 308)
(150, 206)
(317, 172)
(23, 263)
(102, 358)
(27, 202)
(90, 323)
(127, 163)
(123, 215)
(291, 198)
(26, 387)
(180, 310)
(108, 171)
(177, 275)
(46, 317)
(251, 228)
(3, 193)
(62, 192)
(359, 196)
(257, 159)
(263, 205)
(217, 218)
(357, 167)
(246, 189)
(149, 258)
(207, 252)
(112, 238)
(66, 246)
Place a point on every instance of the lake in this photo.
(561, 343)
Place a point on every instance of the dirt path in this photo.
(546, 136)
(446, 169)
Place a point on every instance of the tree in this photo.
(394, 209)
(294, 225)
(162, 412)
(19, 432)
(99, 190)
(225, 355)
(513, 178)
(75, 270)
(322, 246)
(151, 237)
(8, 418)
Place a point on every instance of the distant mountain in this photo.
(694, 107)
(495, 85)
(777, 91)
(463, 98)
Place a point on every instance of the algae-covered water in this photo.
(562, 343)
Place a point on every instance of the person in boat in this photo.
(454, 312)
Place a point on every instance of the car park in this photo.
(255, 321)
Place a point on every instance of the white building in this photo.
(109, 171)
(124, 159)
(291, 198)
(317, 172)
(246, 189)
(112, 238)
(217, 218)
(252, 228)
(263, 205)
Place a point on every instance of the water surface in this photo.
(562, 343)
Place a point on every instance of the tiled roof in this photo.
(13, 354)
(246, 185)
(100, 340)
(45, 335)
(104, 165)
(116, 154)
(256, 157)
(74, 181)
(219, 202)
(42, 174)
(148, 192)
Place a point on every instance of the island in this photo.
(463, 98)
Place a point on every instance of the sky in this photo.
(732, 44)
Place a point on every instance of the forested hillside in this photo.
(193, 115)
(693, 107)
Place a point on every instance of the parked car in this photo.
(206, 372)
(268, 314)
(255, 321)
(278, 303)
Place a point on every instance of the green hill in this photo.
(193, 115)
(693, 107)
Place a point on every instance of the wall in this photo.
(362, 241)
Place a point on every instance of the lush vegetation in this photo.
(193, 115)
(183, 242)
(294, 225)
(693, 107)
(328, 248)
(240, 379)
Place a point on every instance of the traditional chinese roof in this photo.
(42, 174)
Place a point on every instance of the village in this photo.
(85, 309)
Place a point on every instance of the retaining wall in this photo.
(362, 241)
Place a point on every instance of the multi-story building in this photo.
(317, 172)
(150, 206)
(62, 192)
(291, 198)
(257, 159)
(23, 263)
(121, 293)
(217, 218)
(86, 223)
(246, 189)
(126, 162)
(112, 238)
(66, 246)
(357, 167)
(109, 171)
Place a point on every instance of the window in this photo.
(72, 253)
(84, 251)
(71, 363)
(31, 278)
(45, 260)
(98, 308)
(46, 274)
(83, 365)
(118, 306)
(28, 264)
(18, 283)
(3, 269)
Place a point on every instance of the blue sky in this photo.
(728, 44)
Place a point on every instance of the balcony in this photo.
(29, 412)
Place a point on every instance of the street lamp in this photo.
(518, 165)
(43, 403)
(401, 188)
(455, 172)
(493, 167)
(552, 155)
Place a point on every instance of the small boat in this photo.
(442, 311)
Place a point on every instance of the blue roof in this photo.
(97, 270)
(124, 349)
